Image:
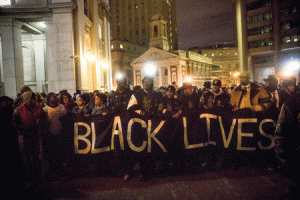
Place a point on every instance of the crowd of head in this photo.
(30, 110)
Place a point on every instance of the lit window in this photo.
(212, 54)
(205, 54)
(220, 54)
(5, 3)
(121, 46)
(112, 46)
(100, 32)
(295, 38)
(236, 53)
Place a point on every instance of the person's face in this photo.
(80, 101)
(188, 91)
(245, 80)
(65, 99)
(98, 101)
(121, 85)
(148, 84)
(170, 94)
(53, 102)
(216, 88)
(291, 88)
(33, 102)
(267, 83)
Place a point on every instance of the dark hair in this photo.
(65, 94)
(148, 77)
(86, 97)
(25, 89)
(6, 98)
(103, 97)
(172, 88)
(51, 94)
(123, 79)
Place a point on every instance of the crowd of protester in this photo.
(33, 120)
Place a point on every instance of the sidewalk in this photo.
(227, 184)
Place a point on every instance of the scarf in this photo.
(28, 116)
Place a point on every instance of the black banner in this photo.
(135, 135)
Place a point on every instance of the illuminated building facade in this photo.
(131, 28)
(168, 66)
(225, 62)
(268, 33)
(53, 45)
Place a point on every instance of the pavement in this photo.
(243, 183)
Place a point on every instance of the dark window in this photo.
(258, 4)
(261, 43)
(166, 72)
(155, 31)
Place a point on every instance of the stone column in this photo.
(39, 47)
(11, 41)
(241, 20)
(59, 48)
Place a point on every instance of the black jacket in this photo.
(287, 133)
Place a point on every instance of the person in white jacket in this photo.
(54, 141)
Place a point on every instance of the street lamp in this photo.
(119, 76)
(150, 69)
(291, 67)
(90, 56)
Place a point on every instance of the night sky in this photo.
(204, 22)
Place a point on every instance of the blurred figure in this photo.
(54, 141)
(206, 100)
(288, 89)
(170, 107)
(67, 101)
(271, 85)
(18, 100)
(120, 98)
(144, 102)
(28, 119)
(13, 160)
(100, 108)
(217, 99)
(249, 96)
(287, 141)
(40, 100)
(188, 98)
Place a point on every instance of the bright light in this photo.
(5, 2)
(188, 79)
(236, 74)
(119, 76)
(104, 65)
(291, 67)
(90, 56)
(150, 69)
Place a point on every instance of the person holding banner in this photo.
(189, 99)
(249, 96)
(82, 108)
(171, 107)
(120, 98)
(100, 108)
(145, 103)
(54, 140)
